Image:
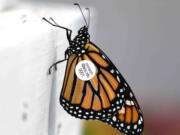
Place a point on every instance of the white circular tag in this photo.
(85, 70)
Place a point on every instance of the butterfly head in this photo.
(82, 38)
(83, 29)
(83, 34)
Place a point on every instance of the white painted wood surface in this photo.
(29, 98)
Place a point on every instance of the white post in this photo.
(29, 98)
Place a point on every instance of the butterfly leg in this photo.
(55, 66)
(68, 31)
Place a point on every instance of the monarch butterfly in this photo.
(105, 96)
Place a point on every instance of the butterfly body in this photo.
(106, 96)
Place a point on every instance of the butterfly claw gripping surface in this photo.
(53, 66)
(49, 71)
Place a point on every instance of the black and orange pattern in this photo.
(107, 96)
(128, 119)
(96, 98)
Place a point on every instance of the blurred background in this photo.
(142, 38)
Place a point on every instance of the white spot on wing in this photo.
(83, 51)
(141, 118)
(118, 79)
(125, 84)
(120, 101)
(132, 103)
(117, 71)
(80, 111)
(121, 90)
(114, 118)
(99, 113)
(128, 102)
(63, 100)
(117, 102)
(103, 57)
(112, 71)
(135, 126)
(131, 95)
(97, 117)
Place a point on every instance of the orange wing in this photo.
(97, 98)
(128, 119)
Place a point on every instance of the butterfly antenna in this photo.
(88, 16)
(76, 4)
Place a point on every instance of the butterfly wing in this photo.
(128, 119)
(97, 98)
